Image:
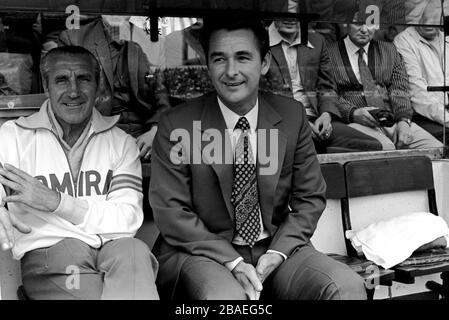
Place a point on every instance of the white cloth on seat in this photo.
(389, 242)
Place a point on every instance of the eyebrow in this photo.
(238, 53)
(244, 52)
(60, 76)
(216, 54)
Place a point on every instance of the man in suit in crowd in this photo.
(371, 76)
(303, 70)
(124, 90)
(231, 229)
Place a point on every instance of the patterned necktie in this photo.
(245, 196)
(372, 97)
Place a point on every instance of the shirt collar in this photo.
(231, 118)
(57, 129)
(352, 48)
(276, 37)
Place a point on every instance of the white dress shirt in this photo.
(353, 54)
(231, 118)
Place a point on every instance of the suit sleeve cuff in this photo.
(279, 253)
(231, 265)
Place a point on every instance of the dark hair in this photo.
(234, 22)
(68, 51)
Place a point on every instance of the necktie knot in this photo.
(242, 124)
(361, 52)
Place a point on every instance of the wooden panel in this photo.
(371, 177)
(333, 174)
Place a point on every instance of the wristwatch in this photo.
(408, 121)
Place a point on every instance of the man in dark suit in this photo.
(233, 224)
(371, 75)
(303, 70)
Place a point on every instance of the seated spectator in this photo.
(304, 71)
(371, 77)
(229, 230)
(72, 184)
(422, 49)
(124, 89)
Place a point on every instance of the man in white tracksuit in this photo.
(71, 192)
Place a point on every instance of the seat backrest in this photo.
(378, 176)
(392, 179)
(12, 107)
(328, 236)
(334, 176)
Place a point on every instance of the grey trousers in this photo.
(306, 275)
(421, 138)
(122, 269)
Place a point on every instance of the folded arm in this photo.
(120, 214)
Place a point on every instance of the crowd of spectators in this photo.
(321, 74)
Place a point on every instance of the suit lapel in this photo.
(269, 120)
(102, 50)
(302, 58)
(345, 57)
(372, 58)
(212, 118)
(279, 58)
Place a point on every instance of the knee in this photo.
(126, 247)
(131, 251)
(345, 285)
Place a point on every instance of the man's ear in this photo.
(266, 63)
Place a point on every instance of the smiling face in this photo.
(72, 88)
(235, 66)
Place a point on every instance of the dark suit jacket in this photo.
(388, 71)
(148, 102)
(315, 71)
(191, 202)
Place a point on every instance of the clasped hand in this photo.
(251, 278)
(27, 190)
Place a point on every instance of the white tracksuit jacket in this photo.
(110, 180)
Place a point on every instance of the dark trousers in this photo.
(435, 129)
(347, 139)
(306, 275)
